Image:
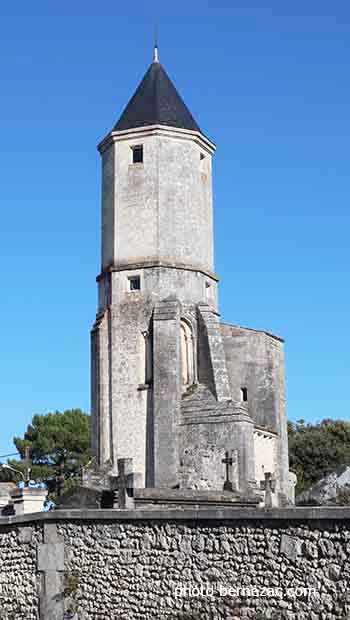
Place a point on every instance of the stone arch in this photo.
(188, 354)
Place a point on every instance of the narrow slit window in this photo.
(148, 360)
(134, 283)
(203, 167)
(244, 395)
(137, 154)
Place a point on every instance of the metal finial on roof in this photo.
(155, 49)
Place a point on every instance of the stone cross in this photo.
(127, 481)
(269, 486)
(230, 461)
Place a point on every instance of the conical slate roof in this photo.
(156, 102)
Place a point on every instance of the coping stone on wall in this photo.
(211, 514)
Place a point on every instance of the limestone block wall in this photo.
(91, 565)
(205, 437)
(128, 408)
(265, 449)
(185, 202)
(122, 406)
(188, 286)
(255, 361)
(166, 392)
(162, 207)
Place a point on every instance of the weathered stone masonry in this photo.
(172, 387)
(19, 577)
(94, 565)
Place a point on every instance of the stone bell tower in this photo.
(161, 390)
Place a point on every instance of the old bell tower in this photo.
(162, 389)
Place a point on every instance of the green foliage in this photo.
(70, 594)
(68, 489)
(38, 472)
(192, 389)
(59, 445)
(315, 450)
(71, 584)
(57, 438)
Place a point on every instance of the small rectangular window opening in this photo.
(134, 283)
(244, 395)
(203, 167)
(137, 154)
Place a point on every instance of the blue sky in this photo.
(269, 82)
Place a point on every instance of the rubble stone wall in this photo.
(186, 565)
(19, 579)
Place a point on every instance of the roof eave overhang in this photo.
(157, 130)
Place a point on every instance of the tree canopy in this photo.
(316, 450)
(58, 445)
(57, 438)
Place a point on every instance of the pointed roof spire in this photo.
(156, 102)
